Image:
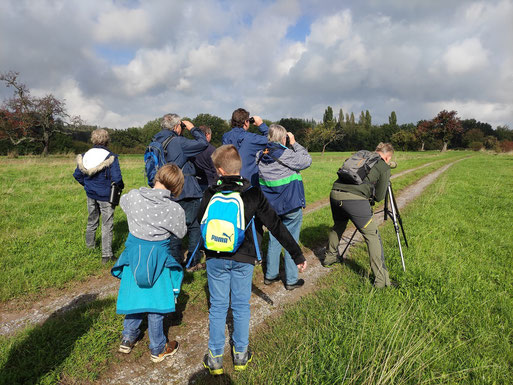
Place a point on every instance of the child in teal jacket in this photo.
(150, 276)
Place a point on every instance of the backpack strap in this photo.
(166, 142)
(266, 151)
(255, 239)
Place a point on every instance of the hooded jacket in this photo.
(247, 143)
(280, 179)
(181, 151)
(255, 205)
(96, 170)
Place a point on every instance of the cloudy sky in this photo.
(121, 63)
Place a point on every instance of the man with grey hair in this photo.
(181, 151)
(280, 180)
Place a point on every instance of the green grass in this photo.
(451, 319)
(94, 329)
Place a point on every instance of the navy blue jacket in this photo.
(205, 171)
(181, 151)
(248, 145)
(96, 170)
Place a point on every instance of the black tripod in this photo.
(391, 210)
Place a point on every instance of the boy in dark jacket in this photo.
(230, 274)
(96, 170)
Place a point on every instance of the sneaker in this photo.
(170, 349)
(299, 283)
(268, 281)
(126, 346)
(241, 360)
(214, 364)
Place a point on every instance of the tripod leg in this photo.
(347, 245)
(396, 226)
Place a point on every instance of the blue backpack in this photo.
(155, 158)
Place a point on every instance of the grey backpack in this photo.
(357, 167)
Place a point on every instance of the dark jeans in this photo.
(191, 207)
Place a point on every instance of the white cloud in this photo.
(121, 25)
(330, 30)
(466, 56)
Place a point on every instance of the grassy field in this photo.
(43, 216)
(450, 320)
(39, 354)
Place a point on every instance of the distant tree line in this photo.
(30, 125)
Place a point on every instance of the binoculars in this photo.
(182, 124)
(252, 120)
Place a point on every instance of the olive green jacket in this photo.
(375, 182)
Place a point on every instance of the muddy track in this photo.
(193, 330)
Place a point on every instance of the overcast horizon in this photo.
(120, 64)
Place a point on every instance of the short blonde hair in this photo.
(100, 137)
(227, 157)
(276, 133)
(171, 177)
(384, 148)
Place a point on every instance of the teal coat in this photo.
(150, 277)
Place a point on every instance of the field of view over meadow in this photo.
(449, 321)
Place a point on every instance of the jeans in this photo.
(228, 278)
(292, 221)
(191, 207)
(94, 208)
(155, 330)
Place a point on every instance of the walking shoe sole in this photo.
(240, 368)
(127, 349)
(271, 281)
(163, 357)
(214, 372)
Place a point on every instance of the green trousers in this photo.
(345, 206)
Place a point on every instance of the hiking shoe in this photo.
(127, 346)
(214, 364)
(170, 349)
(328, 263)
(268, 281)
(299, 283)
(241, 360)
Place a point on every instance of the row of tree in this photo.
(30, 124)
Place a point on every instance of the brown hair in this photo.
(227, 157)
(100, 137)
(239, 117)
(384, 148)
(171, 177)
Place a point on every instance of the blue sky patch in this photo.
(114, 55)
(300, 30)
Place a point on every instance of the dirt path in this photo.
(193, 330)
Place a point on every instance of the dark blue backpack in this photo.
(155, 158)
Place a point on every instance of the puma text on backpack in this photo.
(355, 168)
(155, 158)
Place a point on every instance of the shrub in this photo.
(12, 154)
(476, 146)
(506, 145)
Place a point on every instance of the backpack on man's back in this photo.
(357, 167)
(155, 158)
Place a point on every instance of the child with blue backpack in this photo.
(230, 273)
(150, 276)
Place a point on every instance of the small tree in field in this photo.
(28, 118)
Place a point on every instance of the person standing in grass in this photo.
(280, 180)
(353, 201)
(96, 170)
(150, 276)
(230, 274)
